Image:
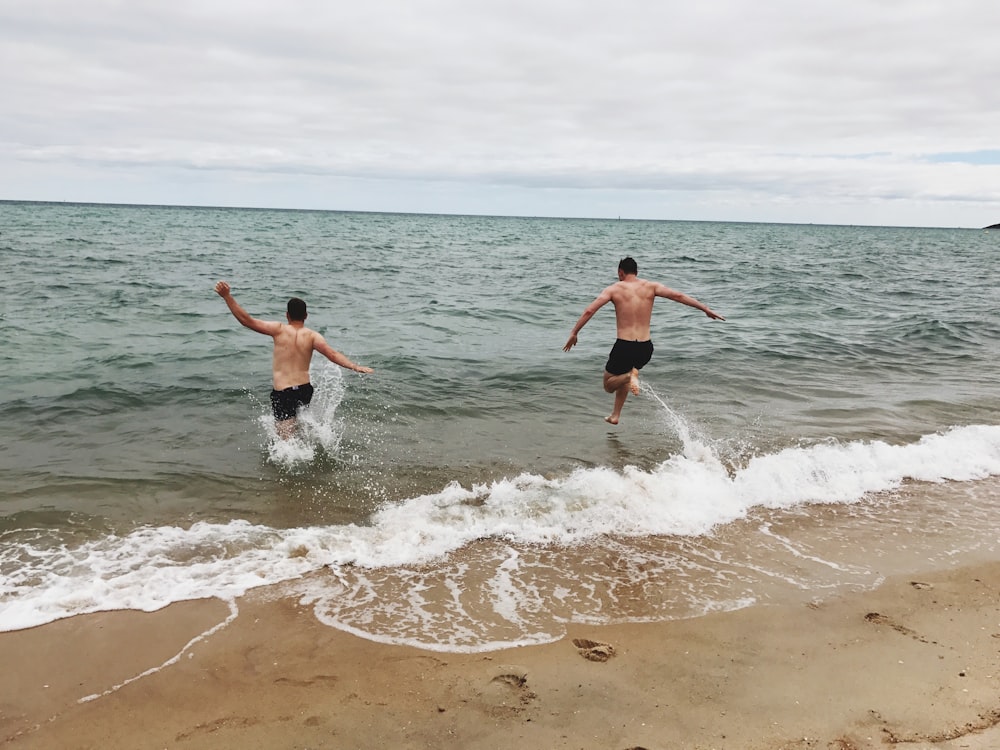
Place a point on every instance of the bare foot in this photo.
(633, 385)
(611, 420)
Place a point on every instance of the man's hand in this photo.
(713, 315)
(222, 289)
(364, 370)
(571, 343)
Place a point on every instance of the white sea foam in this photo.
(687, 495)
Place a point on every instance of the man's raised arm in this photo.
(267, 327)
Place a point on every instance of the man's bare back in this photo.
(293, 348)
(633, 300)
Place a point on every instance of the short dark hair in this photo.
(296, 309)
(628, 265)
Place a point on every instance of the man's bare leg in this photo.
(620, 386)
(286, 428)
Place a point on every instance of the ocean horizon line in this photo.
(539, 217)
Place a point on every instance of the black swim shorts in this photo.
(628, 354)
(285, 404)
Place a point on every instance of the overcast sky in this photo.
(845, 112)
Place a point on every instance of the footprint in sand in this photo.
(508, 692)
(880, 619)
(594, 650)
(512, 679)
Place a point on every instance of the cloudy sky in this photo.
(844, 111)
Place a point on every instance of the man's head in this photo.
(628, 267)
(296, 309)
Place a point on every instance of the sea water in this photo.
(842, 424)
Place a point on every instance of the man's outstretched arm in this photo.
(320, 345)
(261, 326)
(602, 299)
(685, 299)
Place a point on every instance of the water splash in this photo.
(319, 429)
(696, 447)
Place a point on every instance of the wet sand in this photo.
(914, 664)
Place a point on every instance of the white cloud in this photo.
(771, 106)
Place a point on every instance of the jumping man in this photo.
(293, 348)
(633, 300)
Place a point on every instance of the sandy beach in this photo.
(915, 664)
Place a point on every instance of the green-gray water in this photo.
(854, 387)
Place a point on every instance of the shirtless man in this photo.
(293, 348)
(633, 300)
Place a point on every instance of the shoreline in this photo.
(913, 663)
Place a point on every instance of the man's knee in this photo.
(613, 382)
